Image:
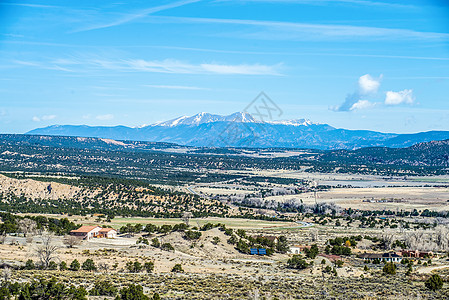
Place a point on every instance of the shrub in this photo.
(177, 269)
(434, 282)
(232, 240)
(89, 265)
(103, 288)
(192, 235)
(311, 252)
(215, 240)
(242, 246)
(156, 296)
(149, 266)
(167, 247)
(389, 268)
(75, 265)
(63, 266)
(155, 243)
(134, 267)
(52, 265)
(142, 240)
(297, 262)
(29, 265)
(207, 226)
(132, 292)
(339, 263)
(165, 228)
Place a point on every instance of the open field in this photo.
(388, 198)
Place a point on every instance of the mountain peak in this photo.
(204, 117)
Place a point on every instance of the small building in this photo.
(387, 257)
(416, 253)
(297, 249)
(109, 233)
(332, 257)
(87, 232)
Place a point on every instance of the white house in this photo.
(295, 249)
(387, 257)
(87, 232)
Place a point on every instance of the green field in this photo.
(229, 222)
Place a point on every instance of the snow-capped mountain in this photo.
(241, 129)
(297, 122)
(204, 117)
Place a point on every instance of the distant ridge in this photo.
(241, 129)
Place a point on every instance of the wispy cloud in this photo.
(44, 118)
(277, 30)
(105, 117)
(175, 66)
(337, 2)
(175, 87)
(40, 65)
(162, 66)
(137, 15)
(29, 5)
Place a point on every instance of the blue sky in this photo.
(356, 64)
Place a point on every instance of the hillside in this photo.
(109, 196)
(434, 154)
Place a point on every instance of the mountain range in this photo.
(241, 129)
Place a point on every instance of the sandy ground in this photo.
(406, 198)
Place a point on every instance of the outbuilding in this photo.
(109, 233)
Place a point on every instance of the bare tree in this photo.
(313, 234)
(186, 216)
(27, 226)
(442, 238)
(71, 241)
(47, 251)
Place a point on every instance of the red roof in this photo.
(85, 229)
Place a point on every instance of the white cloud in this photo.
(48, 117)
(105, 117)
(369, 85)
(138, 15)
(43, 118)
(362, 104)
(396, 98)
